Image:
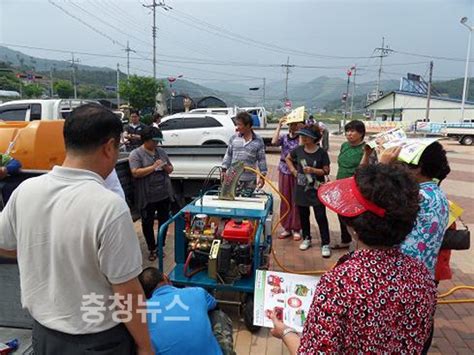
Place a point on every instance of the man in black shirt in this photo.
(132, 131)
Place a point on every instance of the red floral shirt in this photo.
(377, 301)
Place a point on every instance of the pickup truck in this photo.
(463, 132)
(32, 110)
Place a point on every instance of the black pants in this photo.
(321, 220)
(162, 209)
(115, 341)
(345, 236)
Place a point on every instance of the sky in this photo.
(247, 40)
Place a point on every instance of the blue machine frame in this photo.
(201, 279)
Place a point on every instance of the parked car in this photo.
(197, 129)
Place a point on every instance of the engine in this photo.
(222, 246)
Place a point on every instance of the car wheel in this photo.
(467, 140)
(214, 143)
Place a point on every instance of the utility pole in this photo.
(354, 70)
(349, 73)
(51, 88)
(128, 50)
(383, 52)
(287, 67)
(264, 85)
(118, 85)
(427, 116)
(73, 66)
(153, 6)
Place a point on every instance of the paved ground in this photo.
(454, 331)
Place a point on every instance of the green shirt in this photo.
(4, 159)
(349, 159)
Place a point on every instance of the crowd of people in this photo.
(83, 249)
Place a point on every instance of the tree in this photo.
(63, 89)
(91, 92)
(140, 91)
(32, 90)
(9, 82)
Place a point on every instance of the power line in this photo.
(108, 24)
(85, 23)
(220, 31)
(430, 56)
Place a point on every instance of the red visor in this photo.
(344, 197)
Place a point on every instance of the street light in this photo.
(464, 91)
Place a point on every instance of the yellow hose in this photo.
(319, 272)
(284, 199)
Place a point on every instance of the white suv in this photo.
(197, 129)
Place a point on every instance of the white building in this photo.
(410, 107)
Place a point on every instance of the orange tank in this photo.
(38, 145)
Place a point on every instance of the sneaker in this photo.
(284, 235)
(296, 236)
(305, 245)
(326, 251)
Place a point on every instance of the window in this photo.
(200, 122)
(171, 124)
(35, 112)
(13, 114)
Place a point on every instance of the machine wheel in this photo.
(248, 314)
(467, 140)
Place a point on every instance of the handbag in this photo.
(457, 239)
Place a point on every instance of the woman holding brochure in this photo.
(377, 299)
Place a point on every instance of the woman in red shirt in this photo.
(377, 299)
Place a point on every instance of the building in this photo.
(411, 107)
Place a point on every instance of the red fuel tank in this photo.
(238, 231)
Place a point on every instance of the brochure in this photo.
(288, 295)
(412, 148)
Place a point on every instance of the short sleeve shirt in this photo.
(349, 159)
(154, 184)
(425, 240)
(376, 302)
(74, 240)
(185, 309)
(305, 192)
(287, 144)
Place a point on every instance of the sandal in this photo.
(284, 235)
(152, 256)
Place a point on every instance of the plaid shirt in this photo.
(251, 153)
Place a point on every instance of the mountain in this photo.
(321, 92)
(185, 87)
(21, 60)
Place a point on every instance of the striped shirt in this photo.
(251, 153)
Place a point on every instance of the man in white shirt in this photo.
(77, 248)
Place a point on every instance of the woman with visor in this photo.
(309, 164)
(376, 299)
